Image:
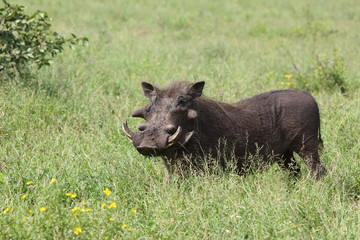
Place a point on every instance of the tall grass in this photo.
(63, 123)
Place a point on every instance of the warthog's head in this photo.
(169, 118)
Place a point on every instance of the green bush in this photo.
(27, 39)
(327, 73)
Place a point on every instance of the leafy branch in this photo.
(27, 39)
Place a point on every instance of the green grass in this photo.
(64, 123)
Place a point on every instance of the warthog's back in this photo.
(281, 119)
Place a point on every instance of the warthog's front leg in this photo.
(169, 171)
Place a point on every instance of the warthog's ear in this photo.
(149, 89)
(195, 90)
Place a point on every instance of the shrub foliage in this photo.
(28, 39)
(327, 73)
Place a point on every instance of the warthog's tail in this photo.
(321, 143)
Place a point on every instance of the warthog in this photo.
(180, 124)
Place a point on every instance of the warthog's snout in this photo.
(147, 151)
(151, 142)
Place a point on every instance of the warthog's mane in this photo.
(175, 89)
(181, 87)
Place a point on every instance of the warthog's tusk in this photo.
(174, 137)
(126, 130)
(188, 136)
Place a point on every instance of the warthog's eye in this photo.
(181, 102)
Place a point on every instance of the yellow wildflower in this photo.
(76, 214)
(74, 209)
(144, 60)
(82, 210)
(288, 76)
(112, 205)
(103, 205)
(107, 192)
(24, 196)
(124, 226)
(11, 210)
(73, 195)
(24, 218)
(129, 229)
(307, 84)
(6, 210)
(42, 209)
(68, 194)
(77, 231)
(88, 210)
(133, 210)
(324, 55)
(111, 219)
(84, 203)
(282, 83)
(30, 211)
(288, 83)
(28, 183)
(52, 181)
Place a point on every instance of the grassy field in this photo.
(67, 171)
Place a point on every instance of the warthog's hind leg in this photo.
(288, 163)
(310, 155)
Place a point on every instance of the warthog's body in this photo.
(274, 125)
